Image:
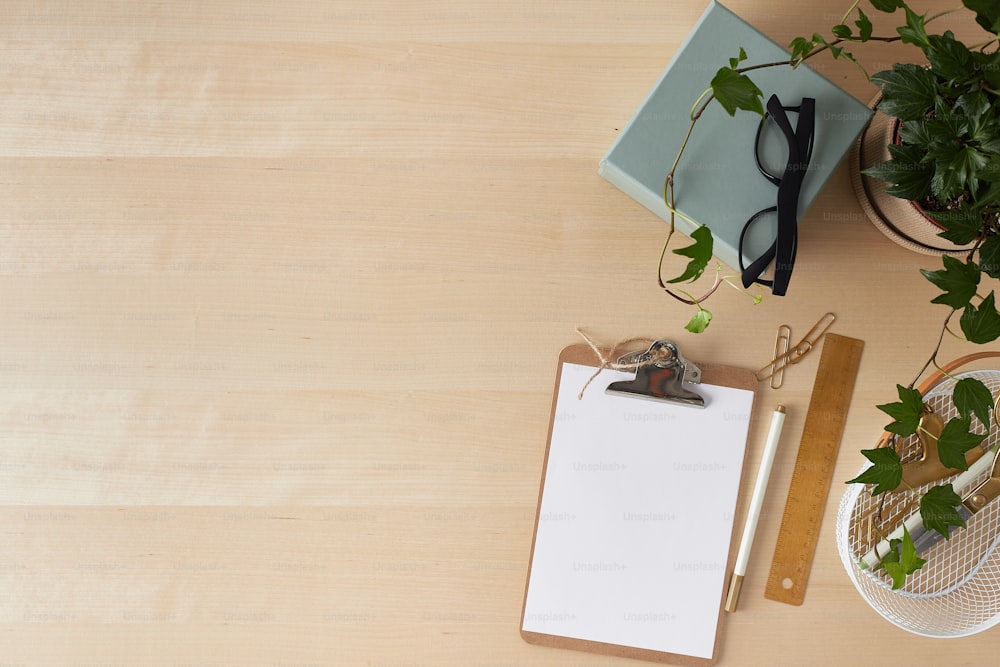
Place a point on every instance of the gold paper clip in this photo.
(801, 349)
(781, 344)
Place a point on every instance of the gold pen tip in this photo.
(733, 597)
(780, 408)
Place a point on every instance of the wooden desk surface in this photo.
(283, 288)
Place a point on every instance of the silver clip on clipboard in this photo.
(660, 374)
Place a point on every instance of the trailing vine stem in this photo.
(944, 327)
(937, 348)
(668, 198)
(850, 10)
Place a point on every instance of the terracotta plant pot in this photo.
(899, 219)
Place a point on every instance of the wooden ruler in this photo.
(814, 465)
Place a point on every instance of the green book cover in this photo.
(717, 182)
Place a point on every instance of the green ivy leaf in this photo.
(961, 225)
(982, 324)
(842, 31)
(916, 133)
(733, 62)
(908, 176)
(895, 570)
(983, 131)
(699, 322)
(988, 66)
(937, 509)
(908, 91)
(886, 471)
(956, 156)
(989, 256)
(991, 174)
(736, 91)
(864, 26)
(974, 103)
(971, 396)
(951, 59)
(902, 560)
(887, 6)
(908, 554)
(699, 252)
(800, 48)
(847, 55)
(905, 412)
(958, 279)
(835, 50)
(989, 195)
(955, 440)
(914, 32)
(950, 151)
(957, 172)
(987, 13)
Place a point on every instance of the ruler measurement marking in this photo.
(812, 475)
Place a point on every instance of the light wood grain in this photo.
(283, 288)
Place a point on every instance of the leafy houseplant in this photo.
(948, 161)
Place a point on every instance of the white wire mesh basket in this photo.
(957, 592)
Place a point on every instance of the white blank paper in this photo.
(636, 516)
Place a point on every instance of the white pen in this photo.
(753, 513)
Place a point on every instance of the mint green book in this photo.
(717, 183)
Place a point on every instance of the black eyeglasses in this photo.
(799, 143)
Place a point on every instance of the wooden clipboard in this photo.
(711, 376)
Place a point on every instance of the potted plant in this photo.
(940, 137)
(946, 161)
